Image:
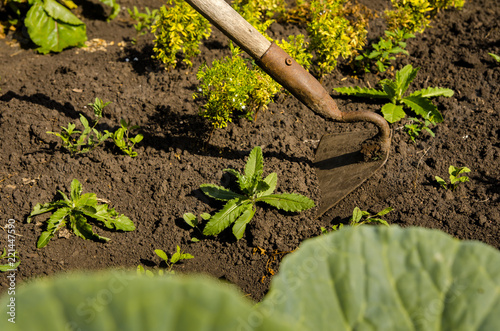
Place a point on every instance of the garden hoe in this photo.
(343, 161)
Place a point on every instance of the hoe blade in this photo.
(340, 166)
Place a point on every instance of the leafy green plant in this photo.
(193, 222)
(13, 261)
(123, 141)
(383, 52)
(360, 217)
(415, 126)
(144, 20)
(455, 178)
(74, 211)
(179, 28)
(50, 24)
(332, 34)
(419, 101)
(175, 258)
(90, 138)
(368, 277)
(495, 57)
(240, 207)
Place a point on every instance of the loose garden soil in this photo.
(41, 93)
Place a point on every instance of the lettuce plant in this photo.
(359, 278)
(74, 211)
(240, 207)
(419, 101)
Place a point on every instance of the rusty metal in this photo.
(298, 81)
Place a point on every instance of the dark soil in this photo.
(41, 93)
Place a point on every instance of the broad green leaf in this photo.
(441, 182)
(423, 107)
(116, 9)
(454, 171)
(123, 223)
(362, 92)
(53, 27)
(393, 113)
(7, 267)
(272, 181)
(404, 77)
(357, 214)
(219, 192)
(494, 56)
(83, 229)
(162, 254)
(76, 190)
(190, 219)
(388, 278)
(44, 208)
(87, 199)
(227, 215)
(205, 216)
(391, 89)
(255, 163)
(385, 211)
(54, 223)
(118, 300)
(431, 92)
(241, 223)
(288, 201)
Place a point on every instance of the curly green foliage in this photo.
(332, 34)
(75, 210)
(240, 207)
(414, 16)
(179, 28)
(267, 8)
(296, 47)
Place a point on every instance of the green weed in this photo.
(175, 258)
(455, 177)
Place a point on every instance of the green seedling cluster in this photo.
(74, 211)
(415, 126)
(241, 207)
(385, 50)
(360, 217)
(193, 222)
(144, 20)
(455, 178)
(12, 263)
(179, 28)
(175, 258)
(90, 138)
(50, 24)
(394, 90)
(123, 141)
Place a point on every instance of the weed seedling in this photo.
(123, 141)
(144, 20)
(495, 57)
(13, 261)
(193, 222)
(416, 126)
(75, 210)
(455, 178)
(360, 217)
(419, 101)
(176, 257)
(240, 207)
(90, 138)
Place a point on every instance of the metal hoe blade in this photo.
(340, 166)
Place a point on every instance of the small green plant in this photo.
(495, 57)
(123, 141)
(75, 210)
(240, 207)
(419, 101)
(193, 222)
(455, 177)
(383, 52)
(13, 261)
(178, 28)
(360, 217)
(176, 257)
(90, 138)
(144, 20)
(416, 126)
(332, 34)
